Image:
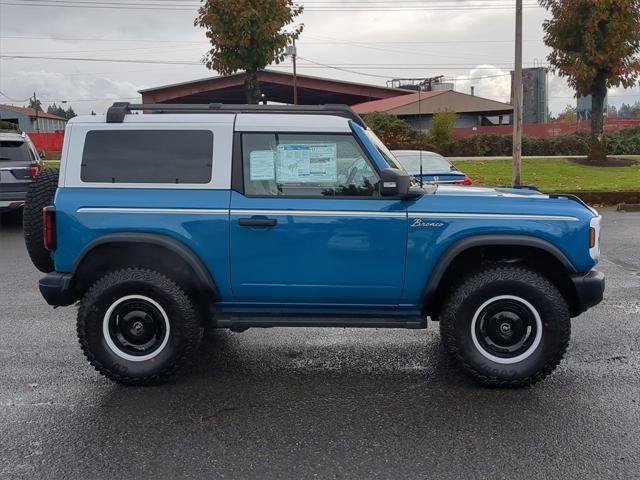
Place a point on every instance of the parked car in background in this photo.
(435, 168)
(19, 164)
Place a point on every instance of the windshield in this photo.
(431, 162)
(389, 159)
(14, 150)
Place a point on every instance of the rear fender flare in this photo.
(204, 278)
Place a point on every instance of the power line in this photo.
(130, 5)
(396, 50)
(108, 60)
(14, 99)
(381, 66)
(128, 49)
(342, 69)
(153, 40)
(93, 39)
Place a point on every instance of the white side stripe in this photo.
(323, 213)
(492, 216)
(174, 211)
(327, 213)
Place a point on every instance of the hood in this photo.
(489, 192)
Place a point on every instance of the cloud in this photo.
(465, 44)
(488, 81)
(80, 93)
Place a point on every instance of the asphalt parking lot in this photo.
(319, 403)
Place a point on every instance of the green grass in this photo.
(550, 175)
(554, 175)
(52, 163)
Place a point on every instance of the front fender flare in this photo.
(489, 240)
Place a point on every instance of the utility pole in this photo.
(293, 53)
(35, 105)
(295, 75)
(517, 100)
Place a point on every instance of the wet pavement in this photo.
(319, 403)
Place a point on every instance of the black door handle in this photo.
(258, 222)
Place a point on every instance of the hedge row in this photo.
(399, 135)
(621, 142)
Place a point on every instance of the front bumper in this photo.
(589, 290)
(57, 289)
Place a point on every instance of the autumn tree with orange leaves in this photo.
(247, 35)
(595, 45)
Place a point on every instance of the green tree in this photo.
(247, 35)
(442, 127)
(54, 109)
(629, 111)
(395, 133)
(595, 44)
(61, 112)
(69, 113)
(569, 115)
(37, 104)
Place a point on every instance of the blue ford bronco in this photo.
(182, 216)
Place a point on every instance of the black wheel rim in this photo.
(506, 328)
(137, 327)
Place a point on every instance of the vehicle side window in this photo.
(307, 165)
(147, 156)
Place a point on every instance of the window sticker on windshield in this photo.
(323, 163)
(303, 163)
(293, 163)
(262, 165)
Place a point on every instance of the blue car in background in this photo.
(435, 168)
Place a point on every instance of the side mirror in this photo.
(396, 183)
(41, 154)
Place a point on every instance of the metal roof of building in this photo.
(31, 112)
(276, 86)
(428, 103)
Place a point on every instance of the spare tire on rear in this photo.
(40, 195)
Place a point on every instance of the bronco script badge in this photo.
(421, 223)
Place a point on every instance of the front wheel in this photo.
(136, 326)
(506, 326)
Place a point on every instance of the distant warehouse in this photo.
(277, 87)
(418, 109)
(31, 121)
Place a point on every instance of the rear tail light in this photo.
(466, 181)
(34, 169)
(49, 227)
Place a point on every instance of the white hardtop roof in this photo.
(247, 122)
(15, 136)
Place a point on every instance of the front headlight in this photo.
(594, 237)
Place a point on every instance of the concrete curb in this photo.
(608, 198)
(629, 207)
(536, 157)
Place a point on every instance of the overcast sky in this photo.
(374, 40)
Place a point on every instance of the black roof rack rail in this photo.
(570, 196)
(523, 187)
(117, 112)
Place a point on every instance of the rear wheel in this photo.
(137, 326)
(40, 194)
(506, 326)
